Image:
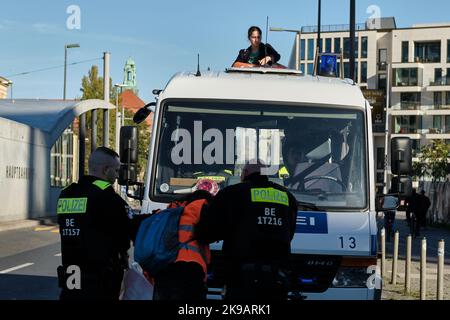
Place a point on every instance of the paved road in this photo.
(28, 262)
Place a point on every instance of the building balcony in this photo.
(439, 85)
(406, 112)
(438, 110)
(410, 105)
(413, 136)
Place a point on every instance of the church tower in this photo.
(129, 78)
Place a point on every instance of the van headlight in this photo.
(351, 277)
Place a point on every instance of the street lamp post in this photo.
(67, 46)
(297, 43)
(118, 120)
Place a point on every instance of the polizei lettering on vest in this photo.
(270, 195)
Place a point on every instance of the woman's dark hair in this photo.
(252, 29)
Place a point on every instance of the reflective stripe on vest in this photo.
(101, 184)
(192, 251)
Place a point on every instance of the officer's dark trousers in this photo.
(181, 281)
(256, 283)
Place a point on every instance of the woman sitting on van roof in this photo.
(258, 54)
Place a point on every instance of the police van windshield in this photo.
(318, 153)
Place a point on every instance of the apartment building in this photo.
(410, 67)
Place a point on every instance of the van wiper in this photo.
(308, 205)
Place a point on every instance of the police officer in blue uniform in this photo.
(94, 226)
(256, 219)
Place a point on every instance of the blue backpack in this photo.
(157, 243)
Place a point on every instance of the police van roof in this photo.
(274, 86)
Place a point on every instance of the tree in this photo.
(92, 88)
(434, 162)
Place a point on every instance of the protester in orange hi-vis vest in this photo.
(185, 279)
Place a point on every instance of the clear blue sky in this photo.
(163, 37)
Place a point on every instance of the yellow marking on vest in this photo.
(71, 206)
(43, 228)
(101, 184)
(269, 195)
(55, 230)
(213, 178)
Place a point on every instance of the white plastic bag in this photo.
(135, 286)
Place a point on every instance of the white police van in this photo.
(314, 132)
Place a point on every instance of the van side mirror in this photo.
(402, 185)
(387, 202)
(401, 156)
(128, 155)
(144, 112)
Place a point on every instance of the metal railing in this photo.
(410, 105)
(334, 28)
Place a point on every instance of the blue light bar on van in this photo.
(328, 65)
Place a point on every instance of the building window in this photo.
(447, 100)
(310, 49)
(338, 69)
(437, 125)
(427, 52)
(406, 124)
(129, 76)
(438, 81)
(410, 100)
(363, 72)
(407, 77)
(302, 49)
(346, 70)
(447, 77)
(405, 51)
(346, 48)
(61, 165)
(337, 45)
(448, 51)
(447, 125)
(380, 158)
(382, 59)
(302, 68)
(310, 68)
(437, 100)
(328, 45)
(415, 147)
(380, 179)
(364, 47)
(382, 82)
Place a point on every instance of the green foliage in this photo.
(434, 160)
(92, 88)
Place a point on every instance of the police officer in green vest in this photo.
(94, 224)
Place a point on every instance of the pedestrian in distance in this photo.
(424, 204)
(258, 54)
(94, 224)
(256, 220)
(390, 202)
